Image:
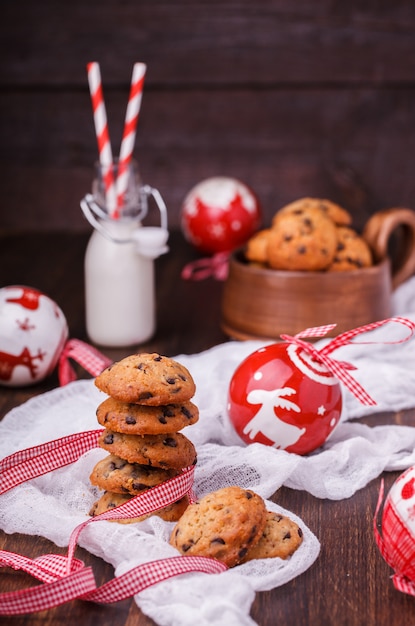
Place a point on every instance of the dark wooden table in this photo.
(349, 584)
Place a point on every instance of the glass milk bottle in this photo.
(119, 259)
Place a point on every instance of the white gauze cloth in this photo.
(53, 505)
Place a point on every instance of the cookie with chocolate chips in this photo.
(352, 252)
(168, 451)
(138, 419)
(119, 476)
(334, 211)
(170, 513)
(148, 379)
(224, 525)
(281, 538)
(305, 239)
(256, 249)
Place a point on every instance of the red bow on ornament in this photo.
(341, 368)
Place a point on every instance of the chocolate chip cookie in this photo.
(305, 239)
(118, 476)
(108, 501)
(224, 525)
(281, 538)
(138, 419)
(334, 211)
(168, 451)
(148, 379)
(256, 250)
(352, 252)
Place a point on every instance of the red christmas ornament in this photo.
(283, 397)
(33, 332)
(219, 214)
(397, 541)
(287, 395)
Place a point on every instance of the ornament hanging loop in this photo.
(340, 368)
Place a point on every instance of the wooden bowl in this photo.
(262, 303)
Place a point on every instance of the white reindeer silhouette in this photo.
(267, 422)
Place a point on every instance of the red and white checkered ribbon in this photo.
(66, 578)
(46, 457)
(399, 549)
(85, 355)
(216, 266)
(340, 369)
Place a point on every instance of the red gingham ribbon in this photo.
(49, 594)
(66, 578)
(81, 583)
(46, 568)
(146, 502)
(398, 552)
(89, 357)
(341, 368)
(31, 462)
(216, 266)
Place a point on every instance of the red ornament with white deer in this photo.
(283, 397)
(33, 332)
(219, 214)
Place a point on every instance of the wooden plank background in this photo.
(292, 97)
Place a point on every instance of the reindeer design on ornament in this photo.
(9, 361)
(266, 420)
(28, 298)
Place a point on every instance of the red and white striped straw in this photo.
(130, 128)
(102, 132)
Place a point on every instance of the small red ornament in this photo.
(283, 397)
(219, 214)
(397, 541)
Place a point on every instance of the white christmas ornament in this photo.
(33, 332)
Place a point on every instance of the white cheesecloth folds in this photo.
(54, 504)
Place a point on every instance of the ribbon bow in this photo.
(215, 266)
(341, 368)
(85, 355)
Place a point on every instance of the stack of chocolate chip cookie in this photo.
(149, 404)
